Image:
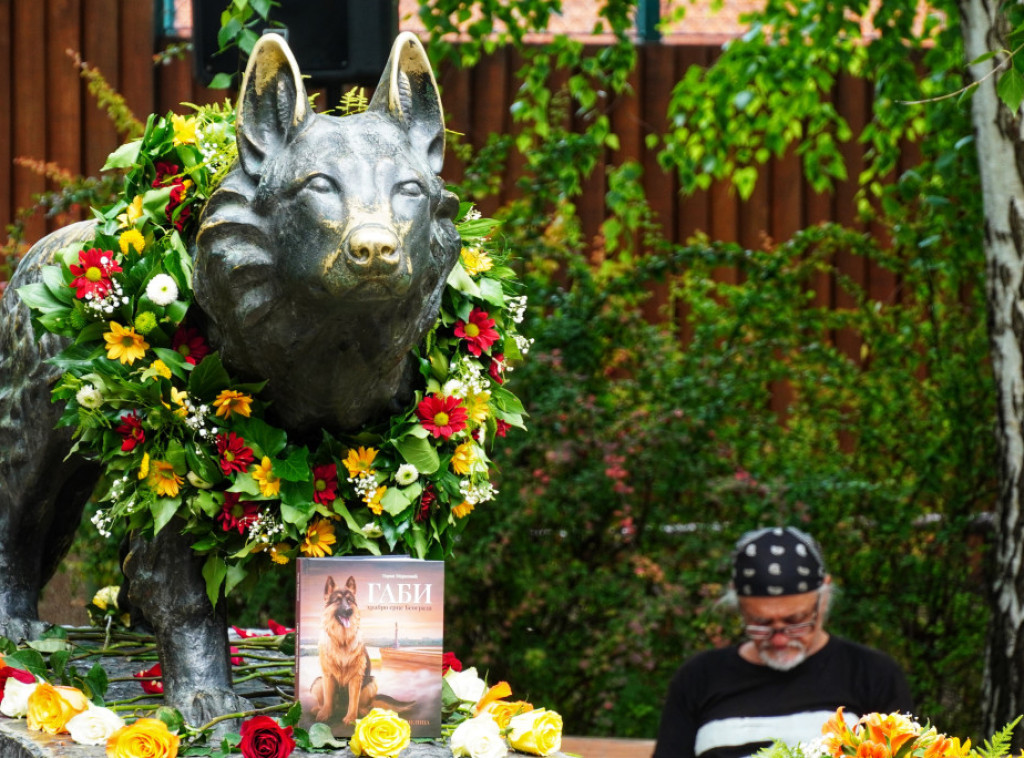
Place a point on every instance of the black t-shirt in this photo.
(722, 706)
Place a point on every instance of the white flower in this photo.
(406, 474)
(93, 726)
(162, 290)
(15, 702)
(89, 397)
(479, 737)
(372, 530)
(466, 685)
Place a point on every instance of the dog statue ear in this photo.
(408, 92)
(329, 586)
(273, 106)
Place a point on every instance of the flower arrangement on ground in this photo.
(178, 437)
(889, 735)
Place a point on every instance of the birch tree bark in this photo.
(1000, 148)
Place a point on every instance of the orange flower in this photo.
(893, 729)
(51, 708)
(373, 502)
(463, 509)
(359, 462)
(162, 479)
(146, 738)
(502, 710)
(229, 401)
(270, 484)
(319, 538)
(872, 749)
(837, 732)
(497, 692)
(463, 458)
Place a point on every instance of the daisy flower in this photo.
(406, 474)
(478, 332)
(162, 290)
(442, 416)
(319, 538)
(229, 402)
(162, 479)
(92, 273)
(359, 462)
(124, 345)
(270, 485)
(325, 483)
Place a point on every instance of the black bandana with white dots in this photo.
(777, 561)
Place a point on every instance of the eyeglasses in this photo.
(761, 632)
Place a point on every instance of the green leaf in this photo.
(97, 680)
(59, 661)
(29, 660)
(259, 433)
(38, 296)
(214, 572)
(294, 468)
(320, 736)
(51, 645)
(222, 81)
(124, 157)
(1011, 89)
(420, 453)
(171, 717)
(395, 500)
(235, 574)
(163, 510)
(291, 718)
(208, 378)
(461, 281)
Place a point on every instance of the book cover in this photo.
(370, 633)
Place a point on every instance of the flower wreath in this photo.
(177, 436)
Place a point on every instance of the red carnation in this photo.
(478, 332)
(449, 661)
(19, 675)
(442, 416)
(151, 682)
(190, 344)
(164, 169)
(131, 430)
(234, 455)
(237, 515)
(262, 737)
(325, 483)
(92, 273)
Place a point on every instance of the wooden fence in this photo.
(46, 114)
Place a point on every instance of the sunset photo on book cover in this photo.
(370, 635)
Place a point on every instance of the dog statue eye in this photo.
(410, 189)
(320, 183)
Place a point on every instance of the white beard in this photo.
(784, 659)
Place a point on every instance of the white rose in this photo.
(466, 684)
(162, 290)
(478, 738)
(15, 702)
(93, 726)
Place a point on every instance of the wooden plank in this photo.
(138, 43)
(753, 213)
(786, 197)
(516, 166)
(590, 205)
(454, 83)
(174, 85)
(64, 93)
(6, 115)
(29, 107)
(490, 99)
(101, 49)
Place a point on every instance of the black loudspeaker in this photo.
(334, 41)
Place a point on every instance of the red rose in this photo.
(151, 681)
(263, 738)
(449, 661)
(9, 672)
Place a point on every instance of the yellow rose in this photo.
(538, 732)
(146, 738)
(380, 734)
(503, 711)
(51, 708)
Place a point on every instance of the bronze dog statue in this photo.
(320, 262)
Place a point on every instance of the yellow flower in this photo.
(503, 711)
(163, 480)
(50, 708)
(477, 406)
(146, 738)
(144, 466)
(131, 239)
(229, 401)
(184, 130)
(463, 509)
(373, 501)
(270, 485)
(537, 732)
(380, 734)
(475, 260)
(124, 345)
(161, 368)
(463, 458)
(319, 538)
(132, 213)
(106, 597)
(359, 461)
(893, 729)
(278, 553)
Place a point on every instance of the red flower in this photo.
(236, 658)
(449, 661)
(325, 483)
(234, 455)
(262, 737)
(426, 501)
(442, 416)
(178, 190)
(276, 628)
(151, 685)
(501, 427)
(19, 675)
(496, 368)
(237, 515)
(92, 274)
(163, 170)
(190, 344)
(245, 633)
(132, 431)
(479, 332)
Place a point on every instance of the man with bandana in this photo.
(789, 676)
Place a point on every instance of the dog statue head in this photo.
(322, 257)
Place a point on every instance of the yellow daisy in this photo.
(163, 480)
(475, 260)
(184, 130)
(270, 485)
(278, 553)
(373, 502)
(123, 344)
(463, 509)
(477, 406)
(319, 538)
(229, 401)
(131, 239)
(463, 458)
(359, 462)
(144, 466)
(161, 368)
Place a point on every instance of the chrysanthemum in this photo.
(406, 474)
(463, 458)
(442, 416)
(161, 368)
(478, 406)
(479, 332)
(475, 260)
(131, 431)
(325, 483)
(162, 289)
(162, 479)
(189, 343)
(373, 501)
(237, 514)
(92, 272)
(427, 500)
(359, 462)
(230, 401)
(319, 538)
(89, 397)
(233, 453)
(124, 345)
(131, 240)
(463, 509)
(270, 485)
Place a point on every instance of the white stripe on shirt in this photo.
(746, 730)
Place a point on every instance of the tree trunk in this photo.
(1000, 149)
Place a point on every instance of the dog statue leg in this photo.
(167, 584)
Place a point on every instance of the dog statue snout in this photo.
(373, 247)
